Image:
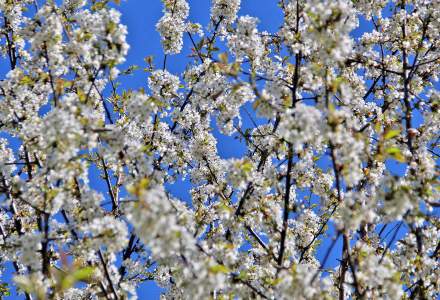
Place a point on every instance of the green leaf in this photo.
(377, 126)
(98, 6)
(4, 290)
(83, 274)
(26, 80)
(392, 150)
(391, 134)
(219, 269)
(246, 167)
(130, 70)
(395, 153)
(243, 275)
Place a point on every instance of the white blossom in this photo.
(295, 164)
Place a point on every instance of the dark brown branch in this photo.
(107, 275)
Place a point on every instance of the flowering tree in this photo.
(332, 113)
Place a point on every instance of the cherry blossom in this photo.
(335, 194)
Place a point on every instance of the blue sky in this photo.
(141, 16)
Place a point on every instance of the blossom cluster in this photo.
(335, 195)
